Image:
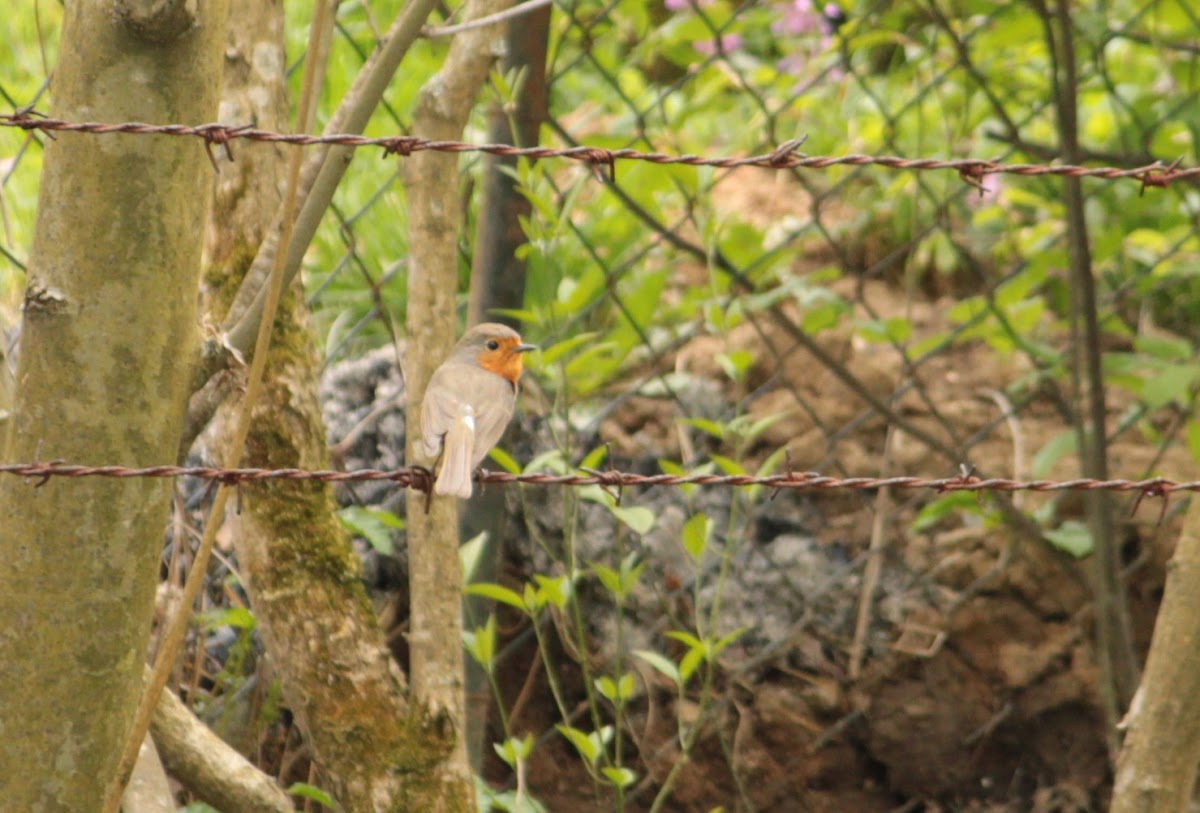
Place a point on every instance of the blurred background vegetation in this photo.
(935, 293)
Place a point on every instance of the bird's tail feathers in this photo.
(458, 445)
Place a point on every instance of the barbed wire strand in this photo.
(786, 156)
(417, 477)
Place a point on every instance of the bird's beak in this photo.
(525, 348)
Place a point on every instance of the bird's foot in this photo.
(423, 480)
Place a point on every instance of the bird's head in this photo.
(496, 348)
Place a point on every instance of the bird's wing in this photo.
(440, 408)
(492, 416)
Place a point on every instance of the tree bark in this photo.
(320, 631)
(498, 282)
(110, 308)
(435, 224)
(497, 274)
(209, 767)
(1156, 771)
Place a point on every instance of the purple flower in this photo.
(798, 17)
(832, 18)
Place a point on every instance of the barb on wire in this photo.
(417, 477)
(786, 156)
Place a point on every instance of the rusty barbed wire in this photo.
(417, 477)
(786, 156)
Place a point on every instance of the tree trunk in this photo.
(435, 224)
(320, 631)
(498, 282)
(497, 274)
(1156, 771)
(110, 309)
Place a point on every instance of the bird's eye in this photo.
(493, 344)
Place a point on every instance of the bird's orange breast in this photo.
(505, 361)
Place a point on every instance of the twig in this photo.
(500, 16)
(874, 566)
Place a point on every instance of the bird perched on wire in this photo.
(469, 401)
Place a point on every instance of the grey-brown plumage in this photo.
(469, 402)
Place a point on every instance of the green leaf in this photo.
(735, 364)
(686, 638)
(690, 662)
(621, 777)
(726, 640)
(1061, 444)
(709, 427)
(660, 663)
(756, 428)
(554, 590)
(1193, 439)
(481, 644)
(592, 367)
(617, 691)
(373, 524)
(551, 461)
(594, 458)
(606, 686)
(307, 791)
(626, 685)
(576, 292)
(589, 746)
(728, 465)
(1072, 537)
(1171, 383)
(469, 553)
(514, 750)
(544, 358)
(237, 617)
(772, 463)
(896, 330)
(1164, 348)
(491, 800)
(498, 593)
(639, 518)
(945, 506)
(609, 578)
(504, 460)
(619, 582)
(696, 533)
(823, 317)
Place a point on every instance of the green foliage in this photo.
(481, 644)
(1072, 537)
(623, 275)
(589, 745)
(313, 793)
(239, 618)
(374, 525)
(506, 801)
(620, 582)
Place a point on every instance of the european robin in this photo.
(469, 401)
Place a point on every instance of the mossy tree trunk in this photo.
(109, 311)
(320, 631)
